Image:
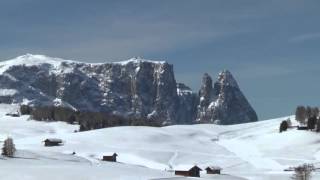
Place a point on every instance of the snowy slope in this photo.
(247, 151)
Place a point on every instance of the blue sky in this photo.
(272, 47)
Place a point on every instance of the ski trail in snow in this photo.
(91, 160)
(250, 153)
(172, 159)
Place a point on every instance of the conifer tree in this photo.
(308, 112)
(315, 112)
(311, 124)
(8, 148)
(283, 126)
(301, 114)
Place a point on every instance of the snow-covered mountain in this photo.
(133, 89)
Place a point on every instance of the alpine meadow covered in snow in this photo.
(247, 151)
(159, 90)
(43, 134)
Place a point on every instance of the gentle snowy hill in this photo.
(247, 151)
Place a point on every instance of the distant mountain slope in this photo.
(132, 89)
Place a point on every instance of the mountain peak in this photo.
(225, 78)
(206, 81)
(29, 55)
(30, 60)
(224, 103)
(139, 60)
(36, 57)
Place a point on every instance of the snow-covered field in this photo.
(247, 151)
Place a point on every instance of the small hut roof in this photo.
(195, 167)
(213, 168)
(109, 154)
(56, 140)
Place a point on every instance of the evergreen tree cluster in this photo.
(308, 116)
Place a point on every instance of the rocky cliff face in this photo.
(128, 90)
(135, 88)
(224, 102)
(188, 102)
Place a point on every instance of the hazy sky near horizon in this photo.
(271, 47)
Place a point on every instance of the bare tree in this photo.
(311, 124)
(308, 112)
(318, 125)
(8, 148)
(301, 114)
(315, 111)
(303, 172)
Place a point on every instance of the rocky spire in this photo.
(206, 90)
(226, 79)
(226, 105)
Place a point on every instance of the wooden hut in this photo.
(52, 142)
(302, 128)
(193, 172)
(112, 158)
(213, 170)
(13, 114)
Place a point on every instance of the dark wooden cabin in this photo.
(52, 142)
(213, 170)
(193, 172)
(302, 128)
(112, 158)
(13, 114)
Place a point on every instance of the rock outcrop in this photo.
(133, 92)
(135, 88)
(188, 102)
(223, 102)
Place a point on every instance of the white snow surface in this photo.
(253, 151)
(58, 65)
(8, 92)
(139, 60)
(182, 92)
(36, 59)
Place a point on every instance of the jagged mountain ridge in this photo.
(223, 102)
(135, 88)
